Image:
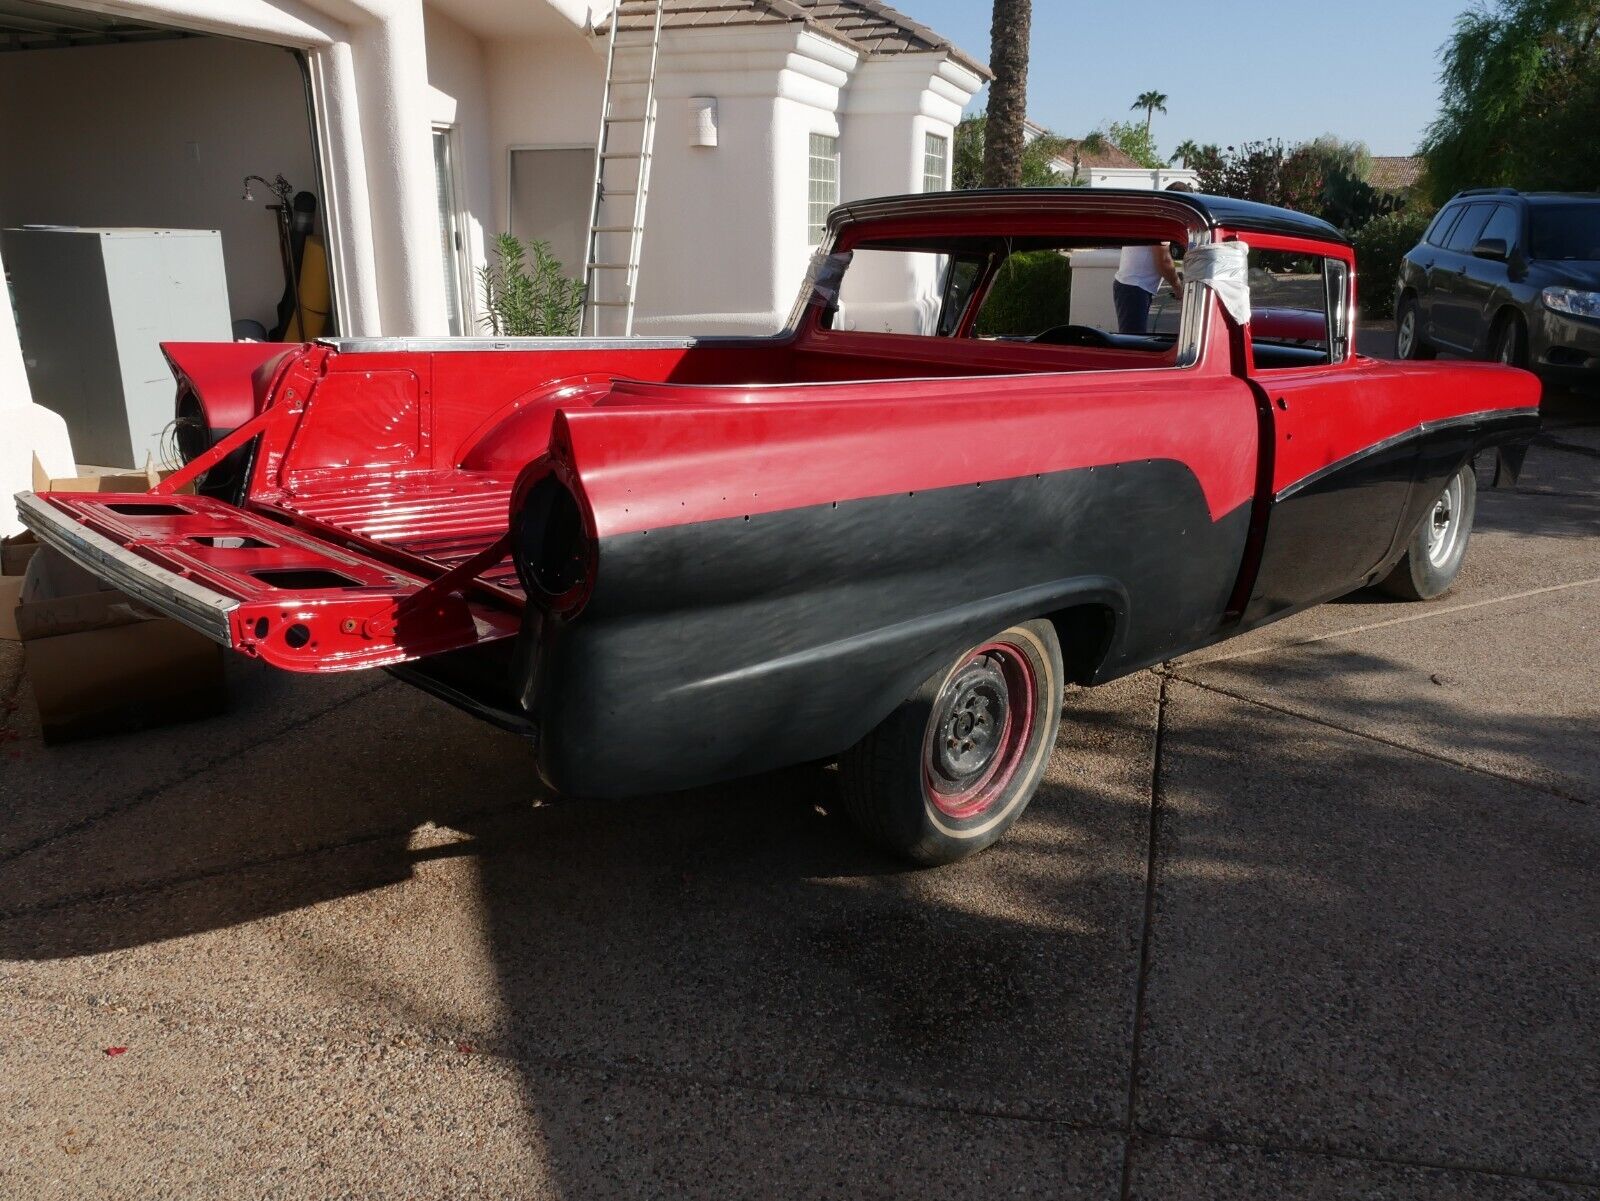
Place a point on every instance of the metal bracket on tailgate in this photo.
(262, 588)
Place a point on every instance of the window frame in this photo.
(817, 231)
(458, 259)
(928, 140)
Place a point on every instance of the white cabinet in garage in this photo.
(93, 307)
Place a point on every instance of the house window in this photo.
(452, 245)
(935, 162)
(823, 185)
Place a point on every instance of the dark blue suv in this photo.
(1507, 275)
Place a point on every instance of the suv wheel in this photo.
(1408, 341)
(1511, 342)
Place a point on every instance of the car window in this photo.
(1465, 235)
(1505, 224)
(1440, 229)
(1566, 231)
(1298, 309)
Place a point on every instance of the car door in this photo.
(1484, 281)
(1341, 468)
(1451, 324)
(1425, 257)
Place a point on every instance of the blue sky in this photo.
(1288, 69)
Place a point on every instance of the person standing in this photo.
(1140, 274)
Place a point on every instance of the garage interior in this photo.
(143, 138)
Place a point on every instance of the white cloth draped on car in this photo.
(1224, 267)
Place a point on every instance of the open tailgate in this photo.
(265, 589)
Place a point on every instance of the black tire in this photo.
(1429, 568)
(1410, 344)
(949, 771)
(1510, 342)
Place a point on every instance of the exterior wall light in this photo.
(704, 109)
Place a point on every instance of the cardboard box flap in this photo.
(78, 614)
(96, 479)
(15, 552)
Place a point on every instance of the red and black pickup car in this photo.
(888, 536)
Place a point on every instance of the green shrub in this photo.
(523, 300)
(1380, 245)
(1032, 293)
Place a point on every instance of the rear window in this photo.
(1566, 231)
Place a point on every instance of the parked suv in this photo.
(1507, 275)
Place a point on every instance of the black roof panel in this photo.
(1243, 215)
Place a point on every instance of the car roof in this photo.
(1245, 216)
(1491, 194)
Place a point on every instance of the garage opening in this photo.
(126, 218)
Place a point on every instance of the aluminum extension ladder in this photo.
(616, 213)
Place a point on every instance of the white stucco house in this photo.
(424, 127)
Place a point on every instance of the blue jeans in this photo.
(1133, 307)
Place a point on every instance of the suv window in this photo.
(1506, 224)
(1465, 235)
(1566, 231)
(1440, 229)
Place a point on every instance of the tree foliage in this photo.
(1267, 172)
(1520, 100)
(1009, 30)
(1037, 156)
(1150, 103)
(1135, 141)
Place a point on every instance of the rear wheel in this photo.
(1408, 340)
(949, 771)
(1434, 556)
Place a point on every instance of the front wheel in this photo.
(1408, 340)
(949, 771)
(1433, 557)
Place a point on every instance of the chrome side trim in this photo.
(165, 591)
(1487, 417)
(436, 345)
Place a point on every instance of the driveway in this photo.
(1311, 914)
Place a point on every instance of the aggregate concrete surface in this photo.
(1310, 914)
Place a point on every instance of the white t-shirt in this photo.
(1138, 267)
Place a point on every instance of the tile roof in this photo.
(870, 26)
(1395, 173)
(1109, 155)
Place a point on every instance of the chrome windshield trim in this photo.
(165, 591)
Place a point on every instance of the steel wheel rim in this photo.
(1407, 333)
(1444, 523)
(978, 731)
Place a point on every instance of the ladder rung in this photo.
(609, 154)
(610, 192)
(611, 266)
(630, 80)
(615, 229)
(610, 304)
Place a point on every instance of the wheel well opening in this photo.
(1086, 633)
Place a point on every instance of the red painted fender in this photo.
(229, 379)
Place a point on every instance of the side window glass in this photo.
(1467, 231)
(1505, 225)
(1442, 224)
(961, 278)
(1298, 313)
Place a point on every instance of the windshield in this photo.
(1566, 231)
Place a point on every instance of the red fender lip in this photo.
(222, 375)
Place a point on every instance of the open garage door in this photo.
(124, 153)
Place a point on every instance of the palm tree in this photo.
(1008, 93)
(1151, 102)
(1186, 152)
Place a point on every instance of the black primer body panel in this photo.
(717, 649)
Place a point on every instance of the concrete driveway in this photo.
(1311, 915)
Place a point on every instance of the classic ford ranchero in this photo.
(888, 536)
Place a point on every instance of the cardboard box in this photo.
(15, 552)
(99, 662)
(96, 479)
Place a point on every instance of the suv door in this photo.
(1450, 324)
(1484, 281)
